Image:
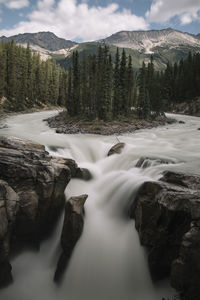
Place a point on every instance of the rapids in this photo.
(108, 262)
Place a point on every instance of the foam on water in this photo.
(108, 262)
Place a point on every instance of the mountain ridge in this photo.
(44, 39)
(166, 45)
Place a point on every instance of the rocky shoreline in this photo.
(62, 125)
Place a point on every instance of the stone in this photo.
(167, 217)
(71, 232)
(84, 174)
(9, 205)
(116, 149)
(32, 185)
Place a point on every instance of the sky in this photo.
(88, 20)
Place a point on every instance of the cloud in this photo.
(15, 4)
(68, 19)
(162, 11)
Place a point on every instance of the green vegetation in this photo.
(101, 86)
(26, 81)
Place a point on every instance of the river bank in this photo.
(5, 114)
(63, 124)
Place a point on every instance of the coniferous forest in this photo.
(26, 81)
(95, 86)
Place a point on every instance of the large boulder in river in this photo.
(71, 232)
(116, 149)
(167, 217)
(31, 192)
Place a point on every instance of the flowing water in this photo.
(108, 262)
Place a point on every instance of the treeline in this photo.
(26, 81)
(159, 91)
(181, 82)
(96, 86)
(100, 88)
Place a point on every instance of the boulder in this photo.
(167, 217)
(116, 149)
(34, 183)
(83, 173)
(71, 232)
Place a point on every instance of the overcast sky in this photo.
(86, 20)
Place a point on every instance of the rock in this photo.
(167, 217)
(145, 162)
(181, 122)
(59, 130)
(116, 149)
(71, 232)
(198, 128)
(70, 163)
(34, 183)
(9, 204)
(83, 173)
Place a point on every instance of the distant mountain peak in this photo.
(44, 39)
(147, 41)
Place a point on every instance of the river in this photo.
(108, 262)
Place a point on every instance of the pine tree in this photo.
(116, 85)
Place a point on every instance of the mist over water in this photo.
(108, 262)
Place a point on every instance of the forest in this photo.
(26, 80)
(95, 86)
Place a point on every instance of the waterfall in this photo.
(108, 262)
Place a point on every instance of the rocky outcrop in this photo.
(116, 149)
(32, 185)
(71, 232)
(9, 206)
(167, 217)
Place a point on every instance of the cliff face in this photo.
(167, 217)
(32, 185)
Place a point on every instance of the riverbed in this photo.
(108, 262)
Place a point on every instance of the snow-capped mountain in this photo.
(148, 41)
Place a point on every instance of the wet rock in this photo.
(32, 188)
(83, 173)
(116, 149)
(71, 232)
(167, 217)
(9, 204)
(145, 162)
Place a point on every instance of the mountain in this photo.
(46, 43)
(167, 45)
(149, 41)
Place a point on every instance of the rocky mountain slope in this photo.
(165, 45)
(149, 41)
(46, 43)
